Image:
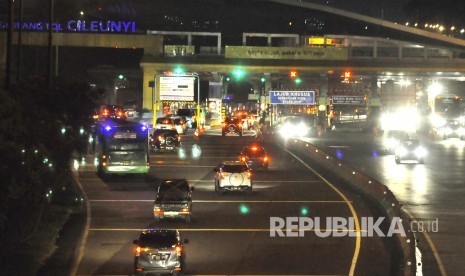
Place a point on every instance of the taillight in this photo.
(243, 158)
(222, 175)
(249, 174)
(178, 250)
(223, 124)
(265, 158)
(161, 138)
(138, 251)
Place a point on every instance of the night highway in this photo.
(430, 192)
(230, 234)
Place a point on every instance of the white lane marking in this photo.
(433, 248)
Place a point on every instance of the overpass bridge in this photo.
(369, 59)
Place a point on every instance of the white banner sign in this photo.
(177, 88)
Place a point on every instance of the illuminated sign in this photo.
(83, 26)
(351, 100)
(176, 88)
(292, 97)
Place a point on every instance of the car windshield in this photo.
(185, 112)
(254, 152)
(165, 132)
(165, 121)
(234, 168)
(160, 239)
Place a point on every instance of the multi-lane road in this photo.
(230, 234)
(433, 193)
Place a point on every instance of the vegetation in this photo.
(42, 130)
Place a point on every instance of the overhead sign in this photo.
(307, 53)
(292, 97)
(176, 88)
(349, 100)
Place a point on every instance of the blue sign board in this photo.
(292, 97)
(350, 100)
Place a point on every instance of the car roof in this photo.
(233, 163)
(159, 230)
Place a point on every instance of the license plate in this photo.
(171, 213)
(158, 257)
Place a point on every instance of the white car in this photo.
(233, 176)
(178, 123)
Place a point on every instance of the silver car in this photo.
(233, 176)
(160, 251)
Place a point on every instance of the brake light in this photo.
(249, 174)
(105, 112)
(254, 148)
(161, 138)
(222, 175)
(178, 250)
(243, 158)
(223, 124)
(138, 251)
(95, 116)
(265, 158)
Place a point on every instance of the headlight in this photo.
(438, 121)
(401, 151)
(420, 152)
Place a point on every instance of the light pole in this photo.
(198, 99)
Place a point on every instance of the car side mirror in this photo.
(186, 240)
(135, 241)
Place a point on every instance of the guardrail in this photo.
(377, 193)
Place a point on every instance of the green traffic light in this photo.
(263, 79)
(178, 70)
(298, 80)
(120, 76)
(239, 73)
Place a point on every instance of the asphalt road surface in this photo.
(223, 239)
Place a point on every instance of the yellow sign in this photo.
(319, 41)
(307, 53)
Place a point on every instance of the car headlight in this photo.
(401, 151)
(420, 152)
(438, 121)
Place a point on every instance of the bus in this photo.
(447, 116)
(121, 147)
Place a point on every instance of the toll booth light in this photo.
(293, 74)
(263, 79)
(239, 73)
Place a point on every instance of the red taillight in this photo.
(265, 158)
(249, 174)
(138, 251)
(178, 250)
(243, 158)
(222, 175)
(223, 124)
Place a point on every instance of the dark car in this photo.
(174, 200)
(165, 139)
(160, 251)
(410, 149)
(255, 156)
(232, 125)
